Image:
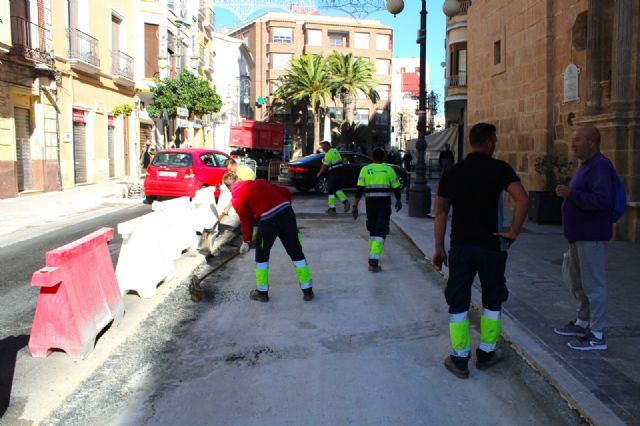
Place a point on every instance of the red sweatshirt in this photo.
(255, 200)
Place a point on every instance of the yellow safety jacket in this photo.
(378, 180)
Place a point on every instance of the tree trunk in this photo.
(316, 130)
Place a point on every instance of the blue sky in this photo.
(405, 28)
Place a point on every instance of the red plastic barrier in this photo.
(79, 296)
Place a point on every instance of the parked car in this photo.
(181, 172)
(302, 173)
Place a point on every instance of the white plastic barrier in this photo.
(176, 230)
(224, 200)
(141, 264)
(203, 214)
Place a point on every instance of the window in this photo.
(151, 50)
(280, 61)
(314, 37)
(361, 116)
(458, 67)
(246, 38)
(496, 53)
(273, 86)
(383, 66)
(338, 40)
(361, 40)
(335, 113)
(208, 160)
(282, 35)
(383, 91)
(220, 159)
(383, 42)
(382, 118)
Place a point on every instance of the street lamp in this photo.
(419, 193)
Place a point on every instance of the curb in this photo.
(577, 395)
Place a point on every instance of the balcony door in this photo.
(19, 10)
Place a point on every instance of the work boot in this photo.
(375, 268)
(485, 360)
(307, 294)
(457, 365)
(331, 211)
(347, 206)
(260, 296)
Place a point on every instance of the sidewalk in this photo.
(23, 216)
(603, 385)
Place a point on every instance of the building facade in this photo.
(455, 94)
(543, 68)
(405, 88)
(274, 39)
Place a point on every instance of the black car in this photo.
(302, 173)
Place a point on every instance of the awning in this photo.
(436, 142)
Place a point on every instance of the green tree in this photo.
(348, 132)
(307, 82)
(351, 75)
(187, 91)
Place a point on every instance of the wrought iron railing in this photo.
(464, 6)
(29, 40)
(458, 80)
(84, 47)
(121, 64)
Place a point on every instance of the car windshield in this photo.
(173, 159)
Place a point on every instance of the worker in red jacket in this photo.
(270, 206)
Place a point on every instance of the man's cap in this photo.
(327, 142)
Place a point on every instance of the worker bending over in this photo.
(270, 206)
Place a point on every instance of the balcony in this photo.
(464, 6)
(201, 56)
(202, 10)
(458, 80)
(122, 68)
(83, 52)
(211, 18)
(209, 66)
(29, 41)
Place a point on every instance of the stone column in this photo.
(594, 55)
(621, 54)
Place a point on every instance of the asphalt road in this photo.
(19, 261)
(367, 350)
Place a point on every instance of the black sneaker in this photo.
(260, 296)
(331, 212)
(375, 268)
(589, 342)
(485, 360)
(457, 365)
(571, 329)
(347, 206)
(307, 294)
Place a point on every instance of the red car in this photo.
(181, 172)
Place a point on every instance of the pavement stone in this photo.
(603, 385)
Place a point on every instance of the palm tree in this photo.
(351, 132)
(351, 75)
(307, 82)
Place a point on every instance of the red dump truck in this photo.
(260, 141)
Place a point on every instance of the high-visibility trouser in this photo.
(459, 333)
(334, 188)
(283, 225)
(490, 325)
(376, 244)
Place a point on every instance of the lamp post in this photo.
(419, 193)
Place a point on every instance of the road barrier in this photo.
(178, 233)
(204, 210)
(79, 296)
(142, 263)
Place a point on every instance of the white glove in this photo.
(244, 248)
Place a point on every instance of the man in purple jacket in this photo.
(586, 218)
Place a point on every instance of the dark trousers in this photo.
(464, 263)
(283, 225)
(378, 216)
(335, 181)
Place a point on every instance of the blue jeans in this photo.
(464, 263)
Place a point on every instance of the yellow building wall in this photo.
(5, 28)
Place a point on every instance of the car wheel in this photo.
(403, 181)
(302, 188)
(149, 199)
(322, 184)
